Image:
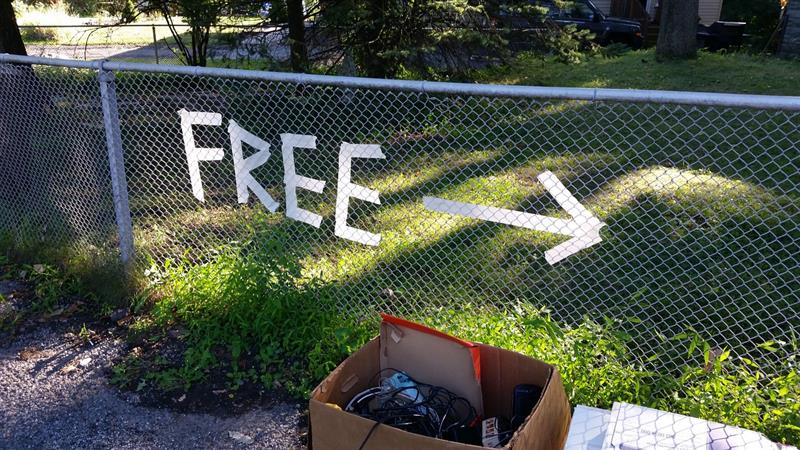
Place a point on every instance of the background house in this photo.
(709, 10)
(790, 40)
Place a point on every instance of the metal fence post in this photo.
(116, 163)
(155, 43)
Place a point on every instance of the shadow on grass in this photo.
(695, 250)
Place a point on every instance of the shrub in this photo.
(275, 325)
(568, 44)
(762, 18)
(599, 365)
(38, 34)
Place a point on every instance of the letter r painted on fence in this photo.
(345, 189)
(243, 166)
(293, 181)
(193, 154)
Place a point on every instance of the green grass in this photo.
(78, 268)
(595, 359)
(57, 14)
(709, 72)
(118, 36)
(248, 312)
(89, 35)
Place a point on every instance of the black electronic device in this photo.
(525, 398)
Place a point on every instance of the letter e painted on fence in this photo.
(345, 189)
(193, 154)
(242, 166)
(293, 181)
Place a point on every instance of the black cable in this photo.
(371, 430)
(431, 410)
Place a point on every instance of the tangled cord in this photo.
(418, 408)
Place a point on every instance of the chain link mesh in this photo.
(54, 174)
(700, 204)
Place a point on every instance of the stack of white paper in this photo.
(588, 428)
(632, 427)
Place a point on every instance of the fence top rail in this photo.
(791, 103)
(131, 25)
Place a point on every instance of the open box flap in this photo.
(432, 357)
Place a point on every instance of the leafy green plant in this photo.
(383, 37)
(567, 44)
(248, 310)
(39, 34)
(84, 334)
(251, 311)
(50, 285)
(58, 269)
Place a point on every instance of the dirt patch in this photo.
(55, 370)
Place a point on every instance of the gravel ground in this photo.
(54, 394)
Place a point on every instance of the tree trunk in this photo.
(26, 184)
(370, 46)
(10, 38)
(10, 42)
(677, 36)
(297, 35)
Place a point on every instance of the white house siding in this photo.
(708, 11)
(603, 5)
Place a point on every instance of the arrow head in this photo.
(588, 225)
(574, 245)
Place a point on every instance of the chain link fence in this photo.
(671, 211)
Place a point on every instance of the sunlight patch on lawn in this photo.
(408, 226)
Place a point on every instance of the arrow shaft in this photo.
(504, 216)
(583, 228)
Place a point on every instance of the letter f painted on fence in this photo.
(193, 154)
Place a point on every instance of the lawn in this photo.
(700, 205)
(709, 72)
(39, 26)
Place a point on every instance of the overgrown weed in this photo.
(250, 311)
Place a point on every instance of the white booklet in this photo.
(587, 429)
(633, 427)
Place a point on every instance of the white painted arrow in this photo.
(584, 227)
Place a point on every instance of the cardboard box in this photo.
(501, 370)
